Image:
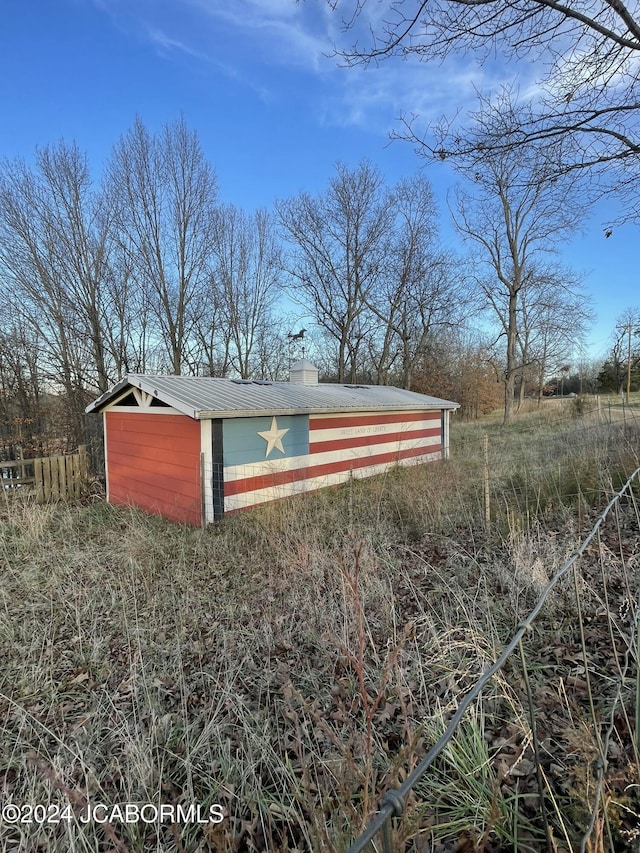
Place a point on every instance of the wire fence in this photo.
(604, 597)
(527, 469)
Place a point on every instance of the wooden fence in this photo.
(52, 478)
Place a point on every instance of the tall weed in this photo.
(293, 662)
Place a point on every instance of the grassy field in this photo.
(282, 669)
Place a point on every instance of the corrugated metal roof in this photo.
(205, 397)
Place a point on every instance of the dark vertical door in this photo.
(218, 470)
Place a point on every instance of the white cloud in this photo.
(162, 40)
(278, 29)
(245, 40)
(377, 96)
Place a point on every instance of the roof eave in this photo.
(105, 398)
(135, 381)
(319, 410)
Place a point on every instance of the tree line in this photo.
(145, 270)
(620, 372)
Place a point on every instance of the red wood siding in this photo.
(153, 462)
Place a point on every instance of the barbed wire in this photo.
(393, 802)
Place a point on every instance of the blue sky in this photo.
(273, 111)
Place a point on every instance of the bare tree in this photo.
(514, 217)
(164, 196)
(273, 350)
(54, 255)
(590, 90)
(211, 354)
(367, 265)
(419, 292)
(128, 332)
(554, 316)
(337, 256)
(628, 326)
(22, 417)
(247, 267)
(458, 366)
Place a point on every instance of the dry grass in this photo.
(293, 662)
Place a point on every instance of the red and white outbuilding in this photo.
(193, 449)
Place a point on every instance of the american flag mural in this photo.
(267, 458)
(194, 448)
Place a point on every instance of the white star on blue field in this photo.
(273, 437)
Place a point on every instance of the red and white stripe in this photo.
(340, 446)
